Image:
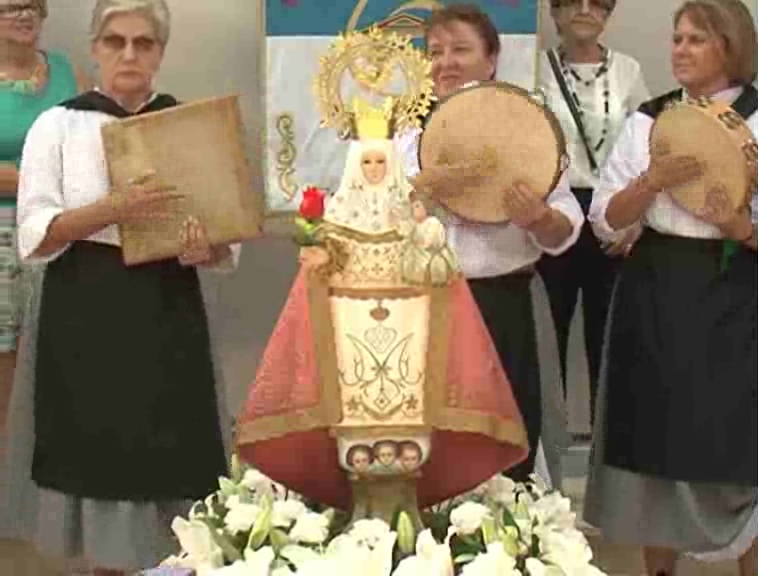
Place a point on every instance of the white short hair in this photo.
(156, 10)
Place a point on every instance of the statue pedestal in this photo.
(383, 497)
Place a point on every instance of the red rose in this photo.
(312, 206)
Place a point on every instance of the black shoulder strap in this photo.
(572, 106)
(655, 106)
(94, 101)
(747, 103)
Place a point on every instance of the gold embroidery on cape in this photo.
(285, 157)
(381, 354)
(350, 234)
(378, 432)
(328, 411)
(376, 293)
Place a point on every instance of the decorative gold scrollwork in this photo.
(285, 157)
(372, 59)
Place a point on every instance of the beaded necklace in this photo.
(572, 77)
(29, 86)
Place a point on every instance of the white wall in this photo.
(215, 49)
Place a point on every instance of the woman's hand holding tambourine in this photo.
(623, 246)
(669, 171)
(740, 227)
(444, 180)
(524, 207)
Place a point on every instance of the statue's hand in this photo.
(313, 257)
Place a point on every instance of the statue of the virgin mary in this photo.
(380, 389)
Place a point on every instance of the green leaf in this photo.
(464, 559)
(236, 469)
(262, 526)
(231, 553)
(228, 488)
(406, 533)
(509, 519)
(489, 531)
(279, 539)
(511, 546)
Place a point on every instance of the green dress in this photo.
(18, 111)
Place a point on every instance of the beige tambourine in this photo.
(714, 134)
(492, 135)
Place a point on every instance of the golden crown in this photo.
(371, 59)
(372, 122)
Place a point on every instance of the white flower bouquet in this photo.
(252, 526)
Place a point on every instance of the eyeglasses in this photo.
(117, 43)
(11, 11)
(604, 5)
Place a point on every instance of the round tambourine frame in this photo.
(713, 133)
(370, 58)
(520, 132)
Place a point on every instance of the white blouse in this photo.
(487, 250)
(629, 159)
(63, 167)
(627, 90)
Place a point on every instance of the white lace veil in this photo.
(371, 208)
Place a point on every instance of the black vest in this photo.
(746, 105)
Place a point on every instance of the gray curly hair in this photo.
(156, 10)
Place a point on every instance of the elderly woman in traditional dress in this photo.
(126, 429)
(592, 90)
(499, 259)
(675, 457)
(31, 81)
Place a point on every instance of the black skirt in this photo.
(505, 303)
(125, 403)
(681, 370)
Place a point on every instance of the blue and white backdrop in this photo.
(298, 32)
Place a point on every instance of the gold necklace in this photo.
(30, 85)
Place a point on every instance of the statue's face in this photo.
(386, 455)
(419, 212)
(360, 461)
(374, 166)
(410, 459)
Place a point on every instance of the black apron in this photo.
(682, 366)
(125, 402)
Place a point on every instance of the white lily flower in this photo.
(431, 559)
(535, 567)
(369, 532)
(539, 485)
(256, 563)
(258, 483)
(554, 511)
(200, 550)
(310, 528)
(567, 549)
(240, 517)
(286, 512)
(468, 517)
(495, 562)
(299, 555)
(373, 560)
(501, 490)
